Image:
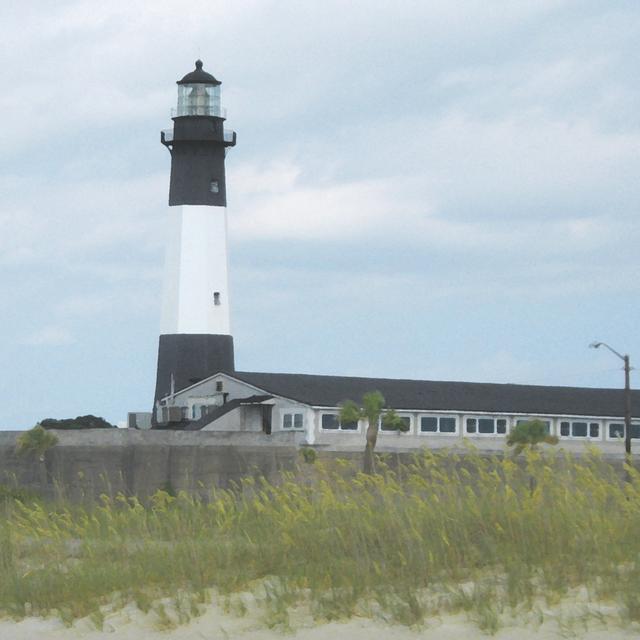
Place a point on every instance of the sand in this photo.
(129, 623)
(220, 628)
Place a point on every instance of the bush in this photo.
(309, 455)
(36, 440)
(81, 422)
(528, 435)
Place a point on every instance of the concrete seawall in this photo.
(87, 463)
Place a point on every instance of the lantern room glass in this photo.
(199, 99)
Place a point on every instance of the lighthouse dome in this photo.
(199, 76)
(199, 94)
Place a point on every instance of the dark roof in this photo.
(329, 391)
(199, 76)
(196, 425)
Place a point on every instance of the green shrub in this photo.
(309, 455)
(37, 440)
(81, 422)
(528, 435)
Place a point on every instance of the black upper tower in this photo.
(198, 142)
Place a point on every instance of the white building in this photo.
(438, 414)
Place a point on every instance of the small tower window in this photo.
(214, 187)
(216, 298)
(218, 385)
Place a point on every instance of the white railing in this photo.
(168, 135)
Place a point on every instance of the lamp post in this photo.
(627, 392)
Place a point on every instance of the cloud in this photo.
(49, 336)
(79, 220)
(276, 204)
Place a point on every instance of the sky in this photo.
(439, 190)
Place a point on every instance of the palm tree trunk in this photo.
(369, 465)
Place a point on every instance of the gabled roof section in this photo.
(226, 374)
(330, 391)
(197, 425)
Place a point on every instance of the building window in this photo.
(292, 420)
(331, 421)
(216, 298)
(214, 187)
(405, 419)
(438, 424)
(579, 429)
(487, 426)
(616, 430)
(219, 386)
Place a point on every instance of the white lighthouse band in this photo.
(196, 283)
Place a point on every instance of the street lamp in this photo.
(627, 392)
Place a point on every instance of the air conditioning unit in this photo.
(170, 414)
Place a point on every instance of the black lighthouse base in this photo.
(187, 358)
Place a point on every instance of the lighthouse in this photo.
(195, 336)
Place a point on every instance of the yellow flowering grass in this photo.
(444, 533)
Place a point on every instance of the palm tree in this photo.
(370, 410)
(528, 435)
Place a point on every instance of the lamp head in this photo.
(595, 345)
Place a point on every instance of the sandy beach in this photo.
(574, 620)
(212, 627)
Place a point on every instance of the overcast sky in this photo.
(435, 189)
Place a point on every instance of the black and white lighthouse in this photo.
(195, 340)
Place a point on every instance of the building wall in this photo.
(415, 438)
(281, 407)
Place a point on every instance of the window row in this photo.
(492, 426)
(331, 422)
(427, 424)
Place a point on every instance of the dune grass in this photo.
(446, 533)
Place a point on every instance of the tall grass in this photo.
(445, 533)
